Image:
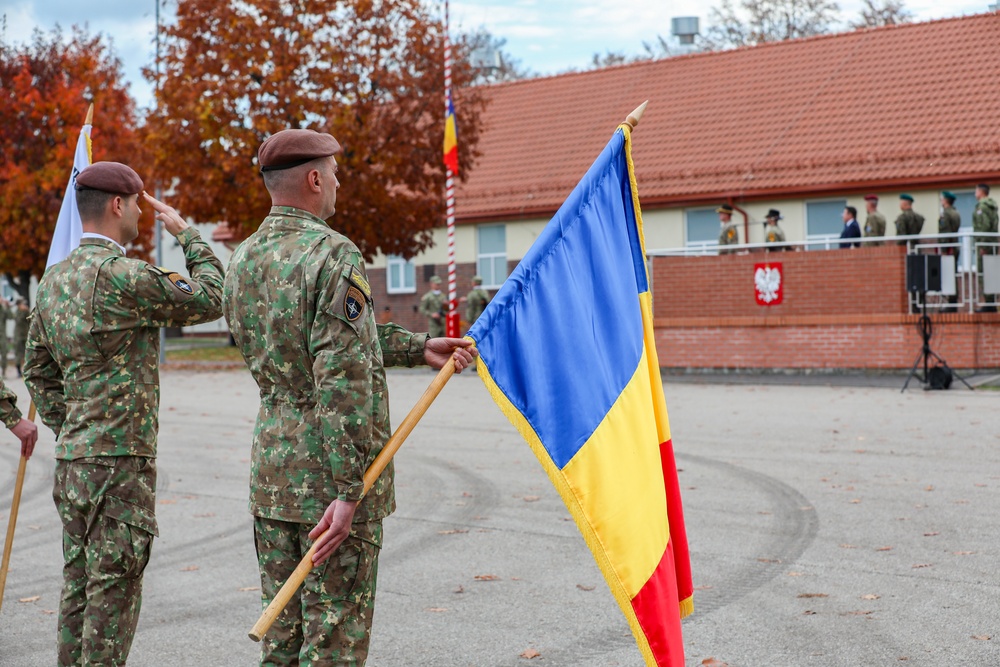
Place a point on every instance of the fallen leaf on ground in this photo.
(486, 577)
(931, 534)
(870, 596)
(847, 546)
(585, 588)
(929, 487)
(244, 589)
(33, 598)
(436, 609)
(205, 515)
(712, 662)
(166, 501)
(813, 595)
(531, 499)
(49, 611)
(884, 549)
(982, 638)
(460, 589)
(860, 612)
(530, 653)
(961, 501)
(794, 574)
(453, 531)
(963, 553)
(768, 560)
(808, 612)
(920, 565)
(189, 568)
(855, 501)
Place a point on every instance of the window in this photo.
(965, 204)
(400, 275)
(491, 261)
(824, 219)
(702, 227)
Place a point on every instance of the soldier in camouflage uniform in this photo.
(773, 233)
(24, 430)
(949, 222)
(300, 308)
(475, 301)
(434, 306)
(91, 368)
(729, 234)
(4, 341)
(875, 221)
(984, 219)
(909, 222)
(20, 332)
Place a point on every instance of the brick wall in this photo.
(402, 308)
(841, 309)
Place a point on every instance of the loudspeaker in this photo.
(923, 273)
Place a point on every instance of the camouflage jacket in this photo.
(984, 219)
(93, 347)
(299, 306)
(909, 223)
(5, 315)
(874, 224)
(20, 327)
(9, 414)
(431, 303)
(475, 304)
(950, 221)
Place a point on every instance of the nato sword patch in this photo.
(354, 303)
(181, 283)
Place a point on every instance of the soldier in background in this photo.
(984, 219)
(21, 313)
(772, 232)
(909, 222)
(23, 430)
(475, 301)
(5, 314)
(299, 305)
(434, 306)
(875, 221)
(729, 234)
(949, 223)
(92, 369)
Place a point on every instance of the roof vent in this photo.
(684, 28)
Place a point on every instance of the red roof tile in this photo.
(898, 106)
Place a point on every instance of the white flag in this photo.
(69, 228)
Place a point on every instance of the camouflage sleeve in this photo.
(44, 378)
(343, 346)
(9, 413)
(166, 298)
(401, 347)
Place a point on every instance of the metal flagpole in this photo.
(158, 225)
(451, 328)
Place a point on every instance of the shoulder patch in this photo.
(360, 282)
(181, 283)
(160, 270)
(354, 304)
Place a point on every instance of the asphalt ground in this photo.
(829, 525)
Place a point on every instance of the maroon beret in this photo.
(113, 177)
(871, 197)
(291, 148)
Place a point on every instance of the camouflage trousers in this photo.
(435, 328)
(106, 504)
(330, 620)
(4, 348)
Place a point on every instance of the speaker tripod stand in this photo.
(926, 331)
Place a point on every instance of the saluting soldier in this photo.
(23, 430)
(773, 233)
(300, 309)
(729, 234)
(875, 221)
(984, 219)
(434, 306)
(475, 301)
(92, 369)
(909, 222)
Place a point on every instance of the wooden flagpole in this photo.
(14, 505)
(374, 470)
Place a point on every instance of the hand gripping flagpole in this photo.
(374, 470)
(14, 505)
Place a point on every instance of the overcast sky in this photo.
(547, 36)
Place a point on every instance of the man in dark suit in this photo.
(852, 230)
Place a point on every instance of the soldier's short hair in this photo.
(984, 187)
(92, 203)
(280, 179)
(853, 211)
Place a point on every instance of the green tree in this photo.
(370, 72)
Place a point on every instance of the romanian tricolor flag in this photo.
(451, 138)
(566, 349)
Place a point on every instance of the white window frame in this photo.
(488, 277)
(688, 243)
(406, 267)
(828, 241)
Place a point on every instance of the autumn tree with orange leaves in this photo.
(370, 72)
(45, 89)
